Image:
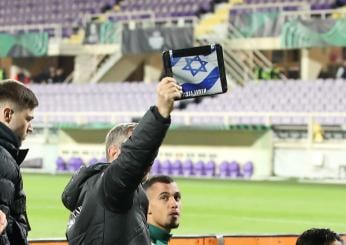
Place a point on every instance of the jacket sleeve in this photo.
(7, 186)
(7, 191)
(123, 176)
(6, 195)
(4, 239)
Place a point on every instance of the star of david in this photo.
(192, 63)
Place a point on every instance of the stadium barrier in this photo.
(260, 240)
(212, 240)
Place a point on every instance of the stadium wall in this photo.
(180, 144)
(324, 161)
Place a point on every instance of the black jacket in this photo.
(12, 197)
(114, 205)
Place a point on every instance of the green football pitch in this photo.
(212, 206)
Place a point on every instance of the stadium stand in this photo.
(161, 8)
(35, 13)
(315, 4)
(268, 103)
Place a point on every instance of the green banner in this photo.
(23, 45)
(257, 24)
(254, 23)
(102, 33)
(305, 34)
(110, 33)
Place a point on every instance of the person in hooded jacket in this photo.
(107, 201)
(17, 104)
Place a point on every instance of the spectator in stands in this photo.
(324, 73)
(17, 104)
(59, 76)
(3, 222)
(23, 77)
(113, 203)
(41, 77)
(341, 71)
(339, 3)
(164, 208)
(51, 74)
(317, 236)
(46, 76)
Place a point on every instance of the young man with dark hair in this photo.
(316, 236)
(108, 200)
(164, 207)
(17, 104)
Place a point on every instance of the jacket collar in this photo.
(11, 143)
(158, 236)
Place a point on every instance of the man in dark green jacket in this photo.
(164, 208)
(114, 207)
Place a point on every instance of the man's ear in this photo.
(113, 152)
(7, 114)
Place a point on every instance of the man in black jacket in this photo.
(17, 104)
(113, 203)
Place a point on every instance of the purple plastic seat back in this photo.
(187, 168)
(177, 168)
(166, 167)
(60, 164)
(156, 168)
(248, 169)
(224, 169)
(92, 161)
(199, 168)
(74, 163)
(210, 169)
(234, 169)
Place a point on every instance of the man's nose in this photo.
(30, 129)
(174, 203)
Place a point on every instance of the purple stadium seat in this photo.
(234, 169)
(248, 169)
(177, 168)
(156, 167)
(199, 168)
(166, 167)
(210, 169)
(92, 161)
(187, 168)
(224, 169)
(74, 163)
(60, 164)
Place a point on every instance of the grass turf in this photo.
(212, 206)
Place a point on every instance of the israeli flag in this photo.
(198, 75)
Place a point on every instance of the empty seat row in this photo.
(186, 168)
(189, 168)
(290, 102)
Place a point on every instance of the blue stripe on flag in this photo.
(207, 83)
